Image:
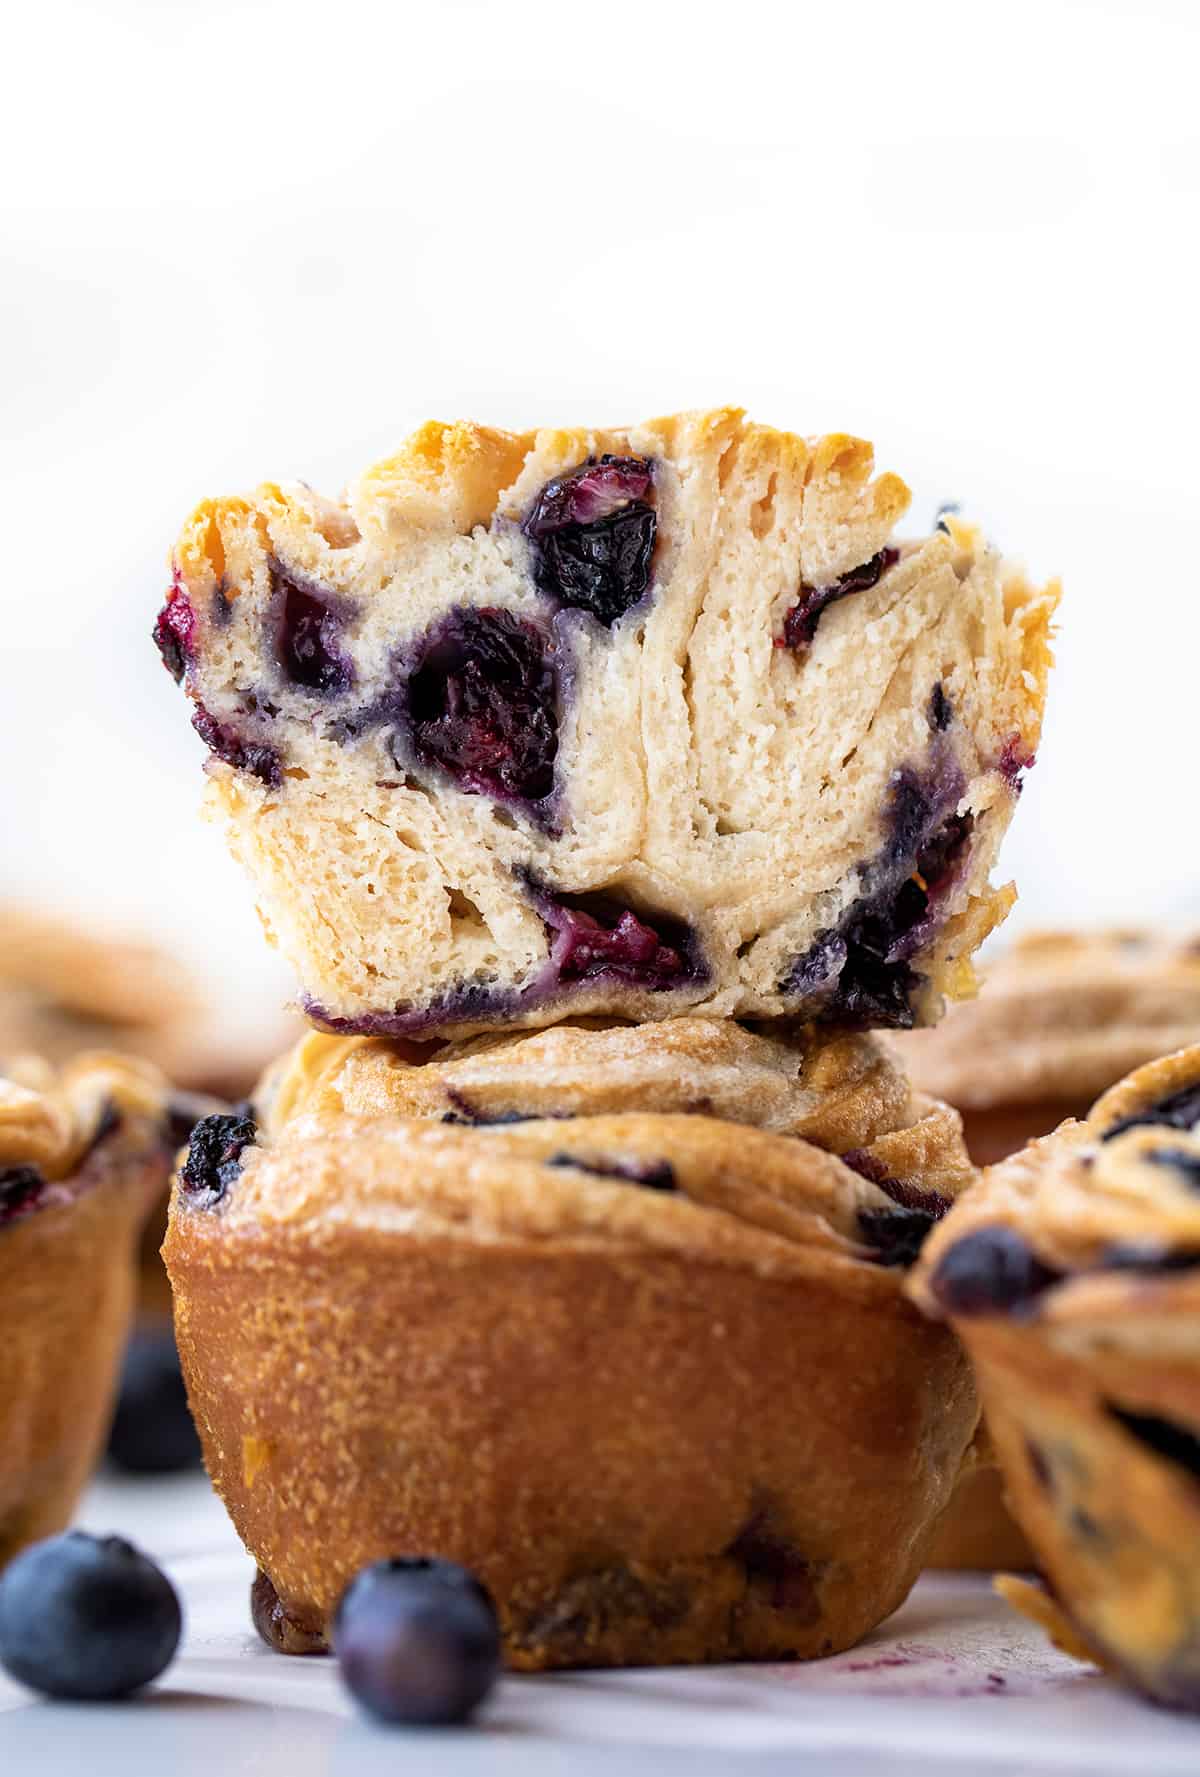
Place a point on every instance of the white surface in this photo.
(265, 237)
(954, 1683)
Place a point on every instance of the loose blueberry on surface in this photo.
(800, 624)
(214, 1158)
(1179, 1110)
(308, 626)
(1178, 1443)
(152, 1431)
(482, 703)
(651, 1175)
(255, 757)
(417, 1642)
(592, 536)
(174, 631)
(86, 1618)
(896, 1236)
(992, 1271)
(21, 1188)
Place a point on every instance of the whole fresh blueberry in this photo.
(417, 1641)
(152, 1431)
(87, 1618)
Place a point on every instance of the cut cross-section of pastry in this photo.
(627, 722)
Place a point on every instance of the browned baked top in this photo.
(1096, 1226)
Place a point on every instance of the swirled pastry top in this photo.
(714, 1189)
(1097, 1225)
(50, 1117)
(610, 722)
(1061, 1016)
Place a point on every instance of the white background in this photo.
(252, 239)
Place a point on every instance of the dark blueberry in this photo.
(992, 1271)
(1180, 1160)
(1179, 1110)
(774, 1565)
(482, 703)
(901, 1191)
(592, 536)
(184, 1110)
(280, 1631)
(597, 936)
(466, 1114)
(214, 1157)
(1165, 1437)
(860, 971)
(947, 509)
(651, 1175)
(86, 1618)
(1148, 1255)
(800, 624)
(941, 712)
(261, 761)
(21, 1189)
(174, 630)
(1014, 761)
(308, 625)
(468, 1001)
(895, 1235)
(417, 1642)
(152, 1431)
(1039, 1464)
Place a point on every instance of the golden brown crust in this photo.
(1087, 1351)
(839, 1092)
(67, 1266)
(625, 1407)
(1061, 1016)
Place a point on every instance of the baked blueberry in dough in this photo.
(626, 723)
(1072, 1275)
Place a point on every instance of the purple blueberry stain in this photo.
(991, 1271)
(591, 534)
(21, 1191)
(859, 973)
(901, 1191)
(1179, 1444)
(308, 624)
(174, 631)
(214, 1157)
(1014, 761)
(776, 1567)
(650, 1175)
(598, 937)
(253, 757)
(801, 623)
(941, 711)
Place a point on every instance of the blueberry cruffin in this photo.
(644, 1369)
(83, 1155)
(1062, 1017)
(1072, 1273)
(553, 724)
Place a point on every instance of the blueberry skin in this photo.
(417, 1642)
(87, 1618)
(152, 1431)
